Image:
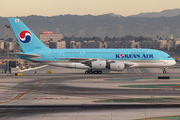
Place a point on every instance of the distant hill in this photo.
(164, 13)
(100, 26)
(115, 15)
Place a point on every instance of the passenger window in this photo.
(169, 56)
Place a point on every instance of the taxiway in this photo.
(71, 94)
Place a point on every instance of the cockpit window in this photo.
(169, 56)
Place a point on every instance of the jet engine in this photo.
(116, 66)
(100, 64)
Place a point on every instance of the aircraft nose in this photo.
(173, 62)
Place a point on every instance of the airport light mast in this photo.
(7, 26)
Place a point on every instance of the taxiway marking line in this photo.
(139, 72)
(20, 95)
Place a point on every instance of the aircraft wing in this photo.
(87, 61)
(26, 55)
(79, 59)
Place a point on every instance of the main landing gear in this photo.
(93, 72)
(164, 70)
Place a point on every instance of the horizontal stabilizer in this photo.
(26, 55)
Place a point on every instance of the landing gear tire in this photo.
(99, 72)
(164, 70)
(93, 72)
(90, 72)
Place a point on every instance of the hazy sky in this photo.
(81, 7)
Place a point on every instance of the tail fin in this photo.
(26, 38)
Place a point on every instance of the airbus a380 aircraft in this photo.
(94, 60)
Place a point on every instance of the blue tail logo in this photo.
(25, 36)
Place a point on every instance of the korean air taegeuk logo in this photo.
(25, 36)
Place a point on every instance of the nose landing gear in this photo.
(93, 72)
(164, 70)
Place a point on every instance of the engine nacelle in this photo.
(100, 64)
(117, 66)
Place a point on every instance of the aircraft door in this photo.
(82, 53)
(61, 53)
(51, 58)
